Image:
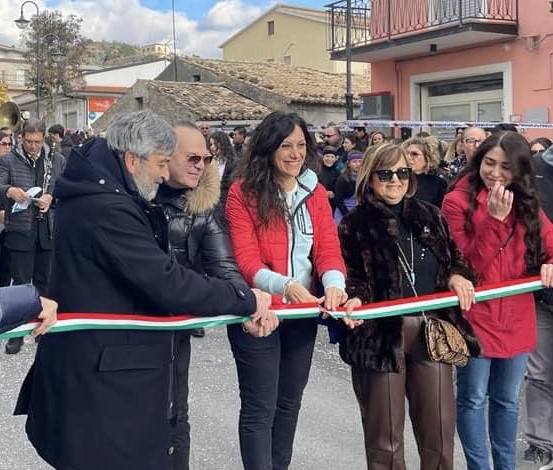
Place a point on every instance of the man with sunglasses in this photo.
(199, 240)
(204, 129)
(6, 143)
(29, 226)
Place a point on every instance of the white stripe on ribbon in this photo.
(376, 310)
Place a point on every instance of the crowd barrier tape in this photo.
(105, 321)
(351, 124)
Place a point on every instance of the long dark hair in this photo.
(224, 145)
(523, 186)
(257, 167)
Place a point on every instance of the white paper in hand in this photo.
(31, 195)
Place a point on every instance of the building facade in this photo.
(13, 70)
(455, 60)
(287, 35)
(95, 93)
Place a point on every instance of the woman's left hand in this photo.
(464, 290)
(546, 273)
(333, 298)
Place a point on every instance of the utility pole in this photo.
(349, 96)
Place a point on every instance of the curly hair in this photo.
(525, 201)
(257, 166)
(224, 146)
(432, 162)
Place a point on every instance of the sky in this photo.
(201, 25)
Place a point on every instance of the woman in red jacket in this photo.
(285, 242)
(495, 220)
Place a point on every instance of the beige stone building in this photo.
(156, 50)
(13, 70)
(287, 35)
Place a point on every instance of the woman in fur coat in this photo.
(396, 246)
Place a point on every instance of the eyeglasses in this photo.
(473, 141)
(385, 176)
(31, 142)
(195, 159)
(6, 144)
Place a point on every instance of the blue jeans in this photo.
(497, 381)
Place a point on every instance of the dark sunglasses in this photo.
(385, 176)
(195, 159)
(6, 144)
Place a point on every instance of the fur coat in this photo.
(198, 234)
(367, 235)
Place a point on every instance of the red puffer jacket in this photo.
(256, 247)
(507, 326)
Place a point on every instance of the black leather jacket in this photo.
(197, 231)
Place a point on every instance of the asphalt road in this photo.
(329, 435)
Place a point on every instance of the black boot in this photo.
(13, 346)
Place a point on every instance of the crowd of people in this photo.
(165, 218)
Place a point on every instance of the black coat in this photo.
(197, 229)
(17, 170)
(367, 237)
(431, 188)
(103, 399)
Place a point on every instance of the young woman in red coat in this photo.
(284, 239)
(494, 217)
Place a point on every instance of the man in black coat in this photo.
(199, 240)
(104, 399)
(29, 231)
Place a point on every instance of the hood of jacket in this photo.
(206, 195)
(94, 169)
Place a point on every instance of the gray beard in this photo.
(147, 190)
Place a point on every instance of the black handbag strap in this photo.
(504, 244)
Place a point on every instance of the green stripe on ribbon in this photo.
(290, 312)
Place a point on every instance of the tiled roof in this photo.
(294, 83)
(309, 13)
(210, 101)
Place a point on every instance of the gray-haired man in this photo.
(102, 399)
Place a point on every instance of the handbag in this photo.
(444, 342)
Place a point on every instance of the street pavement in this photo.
(329, 435)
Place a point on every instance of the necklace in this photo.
(408, 268)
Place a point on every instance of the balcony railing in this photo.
(377, 20)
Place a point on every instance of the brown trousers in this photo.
(429, 388)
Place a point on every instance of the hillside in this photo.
(109, 53)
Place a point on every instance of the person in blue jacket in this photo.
(20, 304)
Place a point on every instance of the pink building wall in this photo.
(530, 56)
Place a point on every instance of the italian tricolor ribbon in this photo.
(106, 321)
